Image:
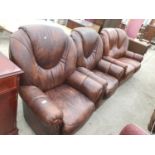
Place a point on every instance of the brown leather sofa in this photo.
(90, 52)
(66, 76)
(58, 99)
(116, 51)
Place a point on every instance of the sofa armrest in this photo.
(91, 88)
(111, 69)
(133, 55)
(116, 62)
(41, 104)
(93, 76)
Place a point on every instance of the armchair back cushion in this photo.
(89, 47)
(115, 42)
(43, 53)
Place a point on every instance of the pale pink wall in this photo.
(133, 27)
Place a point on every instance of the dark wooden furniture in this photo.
(138, 46)
(73, 23)
(9, 78)
(149, 33)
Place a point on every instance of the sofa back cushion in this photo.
(115, 42)
(46, 55)
(89, 47)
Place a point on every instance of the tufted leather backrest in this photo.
(46, 55)
(89, 46)
(115, 42)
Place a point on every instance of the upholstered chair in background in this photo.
(116, 51)
(132, 129)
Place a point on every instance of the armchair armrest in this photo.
(111, 69)
(41, 104)
(133, 55)
(116, 62)
(91, 88)
(93, 76)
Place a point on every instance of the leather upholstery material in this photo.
(116, 50)
(131, 63)
(113, 83)
(89, 47)
(91, 88)
(58, 99)
(111, 69)
(46, 69)
(41, 104)
(93, 76)
(90, 51)
(75, 106)
(133, 129)
(110, 83)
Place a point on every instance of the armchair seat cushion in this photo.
(131, 62)
(112, 82)
(75, 106)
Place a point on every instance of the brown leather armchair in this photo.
(116, 51)
(90, 50)
(58, 99)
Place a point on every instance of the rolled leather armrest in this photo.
(93, 76)
(133, 55)
(41, 104)
(91, 88)
(111, 69)
(116, 62)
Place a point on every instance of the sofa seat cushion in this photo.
(75, 106)
(112, 82)
(131, 62)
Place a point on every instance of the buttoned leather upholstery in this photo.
(89, 48)
(58, 98)
(116, 50)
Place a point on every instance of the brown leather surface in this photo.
(111, 69)
(89, 47)
(116, 48)
(75, 106)
(112, 82)
(41, 105)
(115, 41)
(91, 88)
(115, 61)
(39, 126)
(90, 50)
(134, 56)
(47, 55)
(48, 58)
(132, 64)
(93, 76)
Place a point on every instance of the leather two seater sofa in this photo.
(64, 77)
(116, 51)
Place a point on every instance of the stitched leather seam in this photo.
(109, 67)
(84, 59)
(22, 28)
(52, 78)
(125, 37)
(108, 41)
(83, 80)
(118, 38)
(67, 50)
